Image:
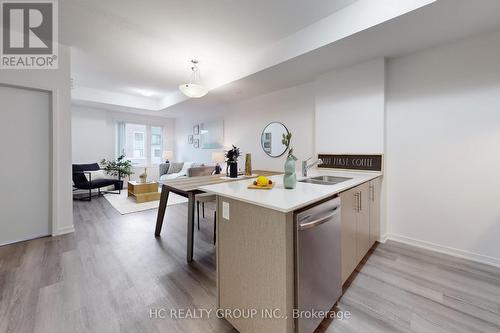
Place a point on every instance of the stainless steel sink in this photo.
(324, 180)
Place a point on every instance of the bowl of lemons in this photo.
(262, 183)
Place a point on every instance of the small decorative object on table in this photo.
(143, 177)
(119, 168)
(290, 178)
(217, 157)
(248, 164)
(261, 183)
(232, 162)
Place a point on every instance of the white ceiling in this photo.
(441, 22)
(246, 48)
(134, 47)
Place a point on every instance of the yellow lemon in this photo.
(262, 181)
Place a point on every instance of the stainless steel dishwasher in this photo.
(318, 280)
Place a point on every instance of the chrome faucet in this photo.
(306, 167)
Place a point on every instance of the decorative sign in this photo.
(351, 162)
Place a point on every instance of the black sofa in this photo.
(80, 181)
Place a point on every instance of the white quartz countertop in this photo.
(285, 200)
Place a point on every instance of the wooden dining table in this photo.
(189, 188)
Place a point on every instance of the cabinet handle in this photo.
(372, 192)
(356, 195)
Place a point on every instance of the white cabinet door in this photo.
(26, 135)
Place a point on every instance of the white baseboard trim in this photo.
(445, 250)
(383, 238)
(63, 231)
(24, 239)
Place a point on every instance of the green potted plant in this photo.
(290, 178)
(232, 162)
(121, 167)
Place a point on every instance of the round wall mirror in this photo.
(271, 137)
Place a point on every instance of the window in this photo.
(156, 144)
(155, 139)
(138, 136)
(138, 144)
(141, 144)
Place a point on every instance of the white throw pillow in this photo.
(185, 168)
(98, 174)
(170, 176)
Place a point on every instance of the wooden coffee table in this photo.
(143, 192)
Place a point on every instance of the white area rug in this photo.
(126, 205)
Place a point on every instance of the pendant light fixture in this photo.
(194, 89)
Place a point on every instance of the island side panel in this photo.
(255, 261)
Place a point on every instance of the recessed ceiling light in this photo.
(145, 93)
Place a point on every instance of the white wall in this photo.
(443, 148)
(244, 122)
(94, 134)
(341, 111)
(350, 105)
(57, 81)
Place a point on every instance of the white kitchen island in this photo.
(256, 244)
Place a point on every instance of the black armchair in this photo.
(80, 181)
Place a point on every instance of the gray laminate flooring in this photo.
(109, 274)
(400, 288)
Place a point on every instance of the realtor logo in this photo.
(29, 34)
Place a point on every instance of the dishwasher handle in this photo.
(321, 220)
